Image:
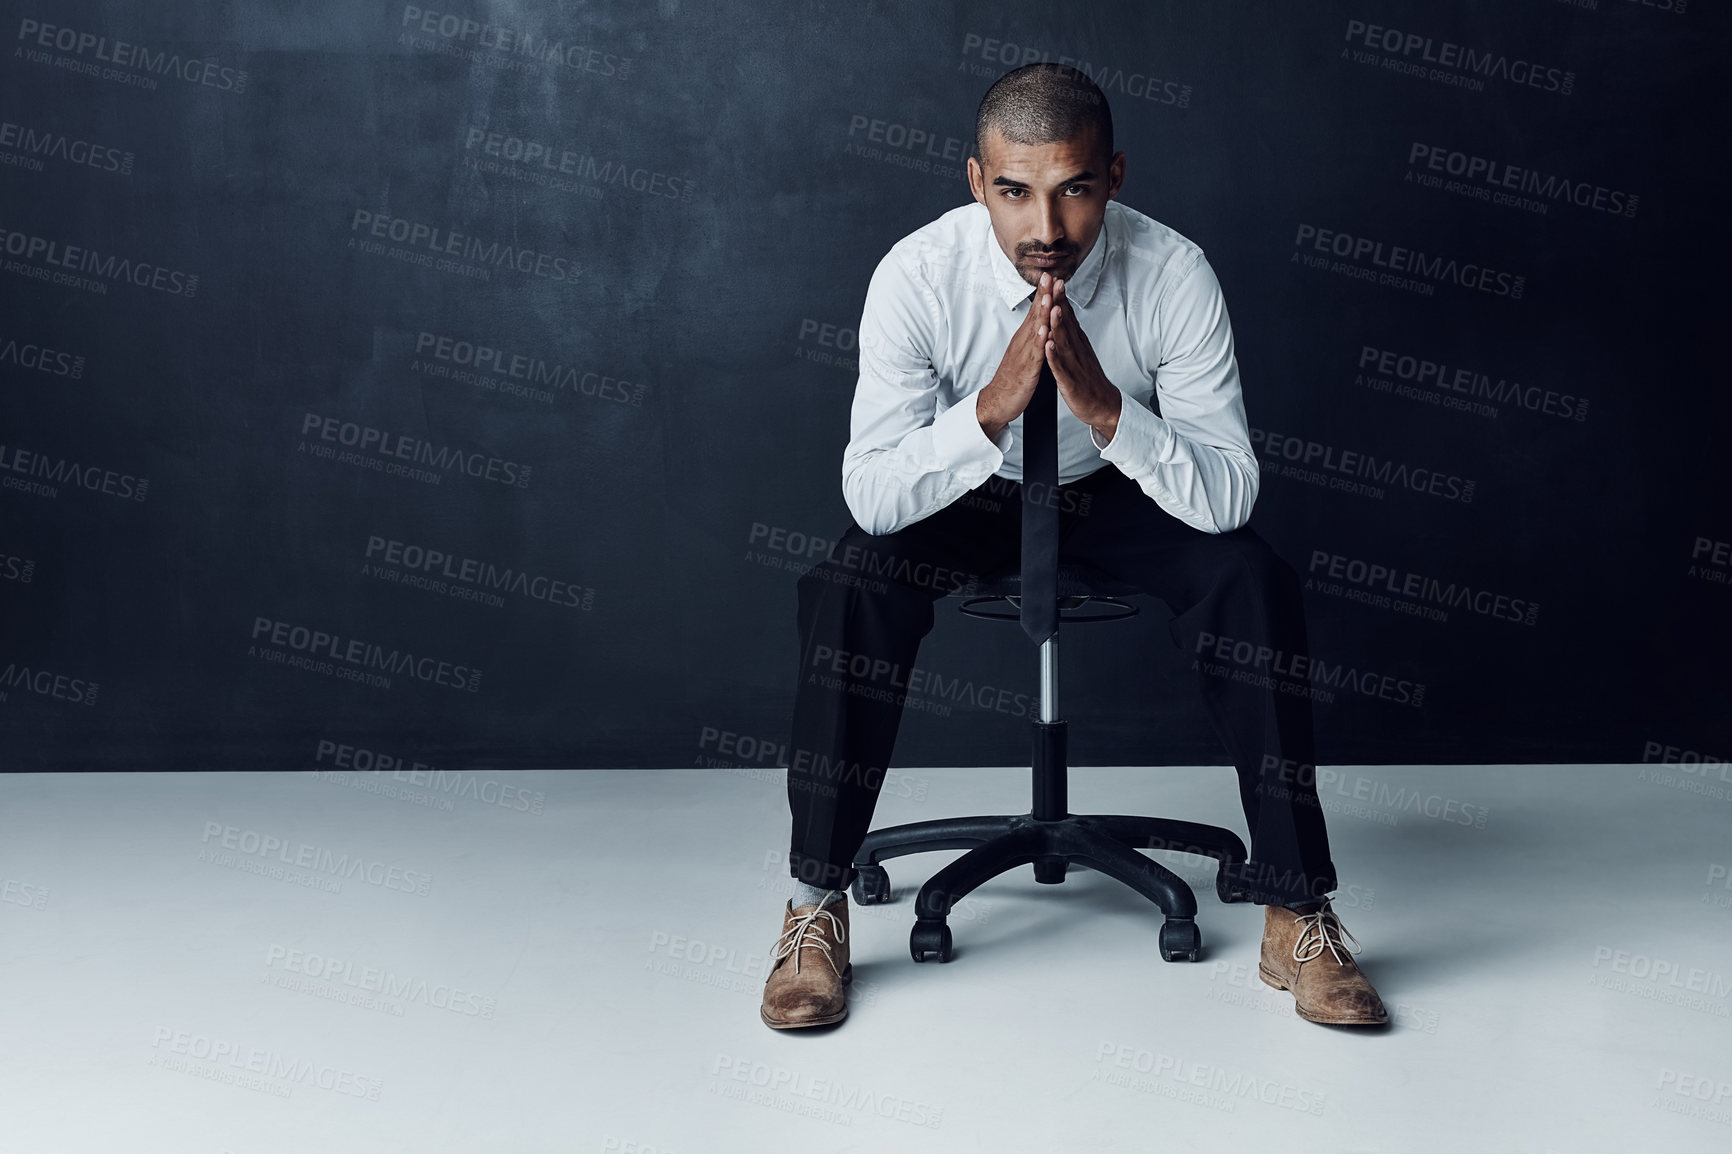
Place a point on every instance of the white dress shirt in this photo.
(941, 308)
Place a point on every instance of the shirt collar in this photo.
(1013, 290)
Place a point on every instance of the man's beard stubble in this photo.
(1059, 272)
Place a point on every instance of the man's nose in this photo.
(1051, 230)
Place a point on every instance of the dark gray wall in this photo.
(170, 494)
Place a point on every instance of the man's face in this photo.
(1046, 201)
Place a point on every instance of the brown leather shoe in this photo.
(1303, 951)
(809, 968)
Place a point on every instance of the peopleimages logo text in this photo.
(50, 471)
(374, 871)
(1412, 262)
(402, 447)
(354, 651)
(432, 240)
(473, 35)
(120, 53)
(1379, 580)
(1503, 176)
(1460, 58)
(456, 783)
(37, 143)
(25, 354)
(552, 158)
(47, 683)
(105, 266)
(483, 574)
(533, 370)
(1439, 376)
(1365, 466)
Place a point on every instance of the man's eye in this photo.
(1017, 193)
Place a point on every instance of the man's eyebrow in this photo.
(1085, 174)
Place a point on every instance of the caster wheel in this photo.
(1180, 941)
(1227, 889)
(871, 885)
(1049, 872)
(928, 939)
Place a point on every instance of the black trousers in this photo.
(1238, 612)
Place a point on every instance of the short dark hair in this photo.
(1042, 103)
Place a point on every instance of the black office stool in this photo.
(1048, 836)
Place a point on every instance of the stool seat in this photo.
(1080, 587)
(1074, 580)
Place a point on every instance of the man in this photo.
(1048, 266)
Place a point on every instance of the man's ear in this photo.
(1115, 175)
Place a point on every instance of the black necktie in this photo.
(1039, 609)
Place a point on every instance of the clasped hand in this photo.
(1051, 333)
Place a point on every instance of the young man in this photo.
(1047, 266)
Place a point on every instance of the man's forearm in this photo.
(1108, 424)
(889, 486)
(1207, 486)
(989, 408)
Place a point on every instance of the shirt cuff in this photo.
(959, 441)
(1139, 443)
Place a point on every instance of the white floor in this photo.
(255, 963)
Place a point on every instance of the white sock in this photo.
(805, 895)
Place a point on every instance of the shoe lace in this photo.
(1322, 929)
(795, 938)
